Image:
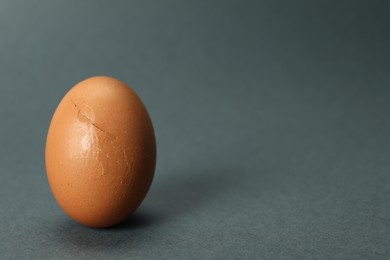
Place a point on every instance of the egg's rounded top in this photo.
(100, 152)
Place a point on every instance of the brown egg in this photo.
(100, 152)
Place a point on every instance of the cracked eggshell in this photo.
(100, 152)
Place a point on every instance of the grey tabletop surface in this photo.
(271, 117)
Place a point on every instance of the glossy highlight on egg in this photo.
(100, 152)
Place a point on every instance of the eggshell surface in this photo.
(100, 152)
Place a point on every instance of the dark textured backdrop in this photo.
(272, 122)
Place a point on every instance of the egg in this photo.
(100, 152)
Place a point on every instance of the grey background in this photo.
(271, 117)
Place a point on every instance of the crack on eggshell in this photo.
(83, 117)
(112, 141)
(127, 166)
(102, 166)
